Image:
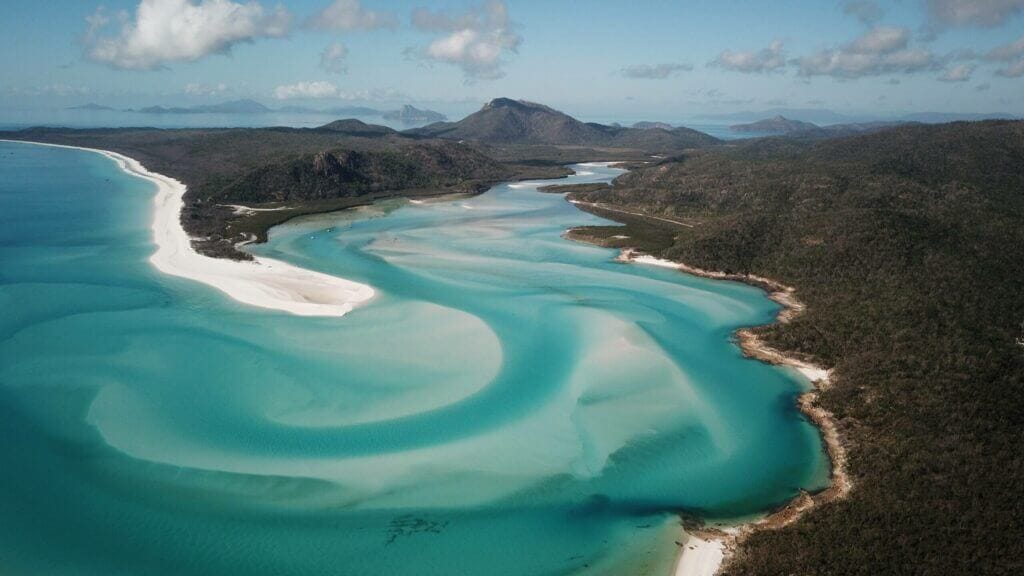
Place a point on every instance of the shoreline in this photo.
(706, 552)
(261, 282)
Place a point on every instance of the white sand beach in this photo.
(703, 556)
(700, 556)
(262, 282)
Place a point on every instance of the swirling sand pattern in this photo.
(509, 403)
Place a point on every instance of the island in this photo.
(776, 125)
(412, 115)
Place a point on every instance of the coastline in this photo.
(262, 282)
(706, 552)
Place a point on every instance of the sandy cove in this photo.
(705, 552)
(262, 282)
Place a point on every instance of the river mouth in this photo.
(510, 403)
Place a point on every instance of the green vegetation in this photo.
(906, 245)
(350, 163)
(340, 165)
(506, 121)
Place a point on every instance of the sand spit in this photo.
(262, 282)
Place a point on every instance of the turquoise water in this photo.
(510, 403)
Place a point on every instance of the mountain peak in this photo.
(508, 121)
(522, 105)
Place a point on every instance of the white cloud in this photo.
(477, 41)
(165, 31)
(867, 11)
(881, 50)
(332, 59)
(959, 73)
(880, 40)
(350, 15)
(655, 72)
(984, 13)
(321, 89)
(318, 89)
(1014, 70)
(1006, 52)
(766, 60)
(197, 89)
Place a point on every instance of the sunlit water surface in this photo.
(510, 403)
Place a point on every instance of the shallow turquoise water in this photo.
(510, 403)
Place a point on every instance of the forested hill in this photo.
(507, 121)
(294, 171)
(908, 248)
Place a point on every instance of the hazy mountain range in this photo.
(824, 117)
(407, 113)
(507, 121)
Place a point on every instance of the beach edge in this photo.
(706, 552)
(263, 282)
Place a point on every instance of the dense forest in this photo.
(907, 246)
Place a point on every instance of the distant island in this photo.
(407, 114)
(93, 107)
(412, 115)
(233, 107)
(825, 117)
(776, 125)
(650, 125)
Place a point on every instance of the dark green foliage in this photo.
(506, 121)
(908, 248)
(343, 164)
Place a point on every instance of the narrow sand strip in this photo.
(263, 282)
(704, 555)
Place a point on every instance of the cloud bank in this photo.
(767, 60)
(332, 59)
(165, 31)
(655, 72)
(346, 15)
(477, 41)
(880, 50)
(982, 13)
(866, 11)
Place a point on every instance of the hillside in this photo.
(297, 171)
(905, 246)
(775, 125)
(353, 127)
(506, 121)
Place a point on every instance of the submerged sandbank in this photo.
(262, 282)
(704, 553)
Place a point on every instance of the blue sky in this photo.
(635, 59)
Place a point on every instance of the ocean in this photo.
(510, 403)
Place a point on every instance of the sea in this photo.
(510, 403)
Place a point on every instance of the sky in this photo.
(643, 58)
